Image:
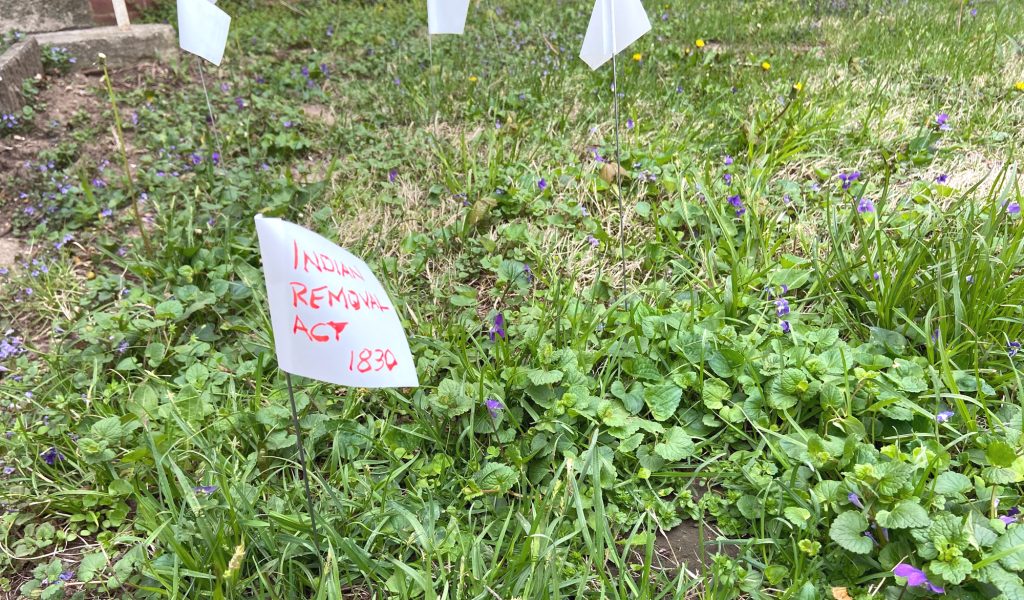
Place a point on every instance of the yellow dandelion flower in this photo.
(473, 79)
(638, 57)
(766, 65)
(798, 86)
(1019, 86)
(699, 43)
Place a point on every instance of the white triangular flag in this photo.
(203, 29)
(332, 319)
(446, 16)
(614, 24)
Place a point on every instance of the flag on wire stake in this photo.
(203, 31)
(614, 25)
(332, 320)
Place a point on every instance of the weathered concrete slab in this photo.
(31, 16)
(10, 250)
(21, 61)
(122, 47)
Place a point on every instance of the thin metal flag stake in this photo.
(618, 160)
(302, 462)
(209, 106)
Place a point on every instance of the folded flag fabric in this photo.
(614, 25)
(203, 29)
(331, 318)
(446, 16)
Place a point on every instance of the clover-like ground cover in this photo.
(810, 368)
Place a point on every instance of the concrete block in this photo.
(31, 16)
(21, 61)
(122, 47)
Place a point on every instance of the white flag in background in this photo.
(446, 16)
(203, 29)
(614, 24)
(332, 319)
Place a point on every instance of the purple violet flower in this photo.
(494, 406)
(781, 307)
(205, 489)
(865, 206)
(52, 456)
(944, 416)
(542, 184)
(855, 500)
(915, 577)
(498, 329)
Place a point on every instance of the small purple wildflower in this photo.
(106, 212)
(1011, 516)
(1013, 208)
(542, 184)
(737, 203)
(941, 122)
(498, 329)
(727, 178)
(215, 158)
(848, 179)
(865, 206)
(52, 456)
(205, 489)
(122, 347)
(66, 576)
(728, 160)
(392, 175)
(915, 577)
(593, 241)
(855, 500)
(942, 178)
(781, 307)
(240, 102)
(1012, 348)
(494, 406)
(786, 328)
(944, 416)
(630, 124)
(196, 159)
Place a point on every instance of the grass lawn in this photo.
(798, 381)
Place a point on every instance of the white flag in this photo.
(446, 16)
(203, 29)
(614, 24)
(332, 319)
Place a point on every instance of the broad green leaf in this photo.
(613, 414)
(1012, 544)
(892, 477)
(451, 398)
(675, 445)
(109, 430)
(907, 514)
(662, 400)
(950, 482)
(848, 531)
(797, 515)
(715, 393)
(170, 309)
(496, 478)
(542, 377)
(793, 382)
(953, 571)
(1000, 454)
(632, 399)
(91, 565)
